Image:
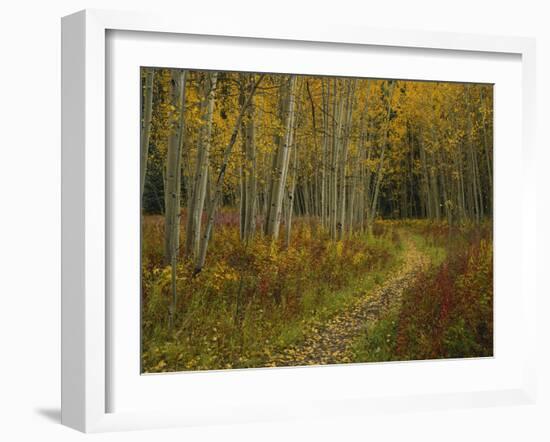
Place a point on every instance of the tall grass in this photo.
(448, 311)
(252, 299)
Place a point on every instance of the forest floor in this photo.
(412, 290)
(332, 342)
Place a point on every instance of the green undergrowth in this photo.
(435, 253)
(448, 310)
(253, 301)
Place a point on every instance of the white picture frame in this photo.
(86, 357)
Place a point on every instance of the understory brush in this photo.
(448, 311)
(254, 298)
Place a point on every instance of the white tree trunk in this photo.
(248, 169)
(146, 124)
(173, 183)
(173, 171)
(291, 197)
(280, 173)
(380, 172)
(346, 129)
(213, 204)
(196, 205)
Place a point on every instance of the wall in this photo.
(30, 207)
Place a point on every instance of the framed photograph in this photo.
(261, 224)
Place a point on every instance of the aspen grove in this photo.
(302, 220)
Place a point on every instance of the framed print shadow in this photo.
(265, 223)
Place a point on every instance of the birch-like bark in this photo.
(291, 197)
(173, 184)
(346, 130)
(173, 166)
(337, 113)
(363, 164)
(368, 187)
(316, 149)
(425, 181)
(462, 193)
(218, 189)
(486, 143)
(202, 169)
(380, 171)
(475, 191)
(281, 168)
(146, 124)
(283, 91)
(434, 187)
(249, 181)
(324, 205)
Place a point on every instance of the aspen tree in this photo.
(173, 183)
(292, 185)
(146, 124)
(345, 135)
(281, 167)
(202, 168)
(326, 140)
(248, 171)
(217, 193)
(337, 111)
(380, 172)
